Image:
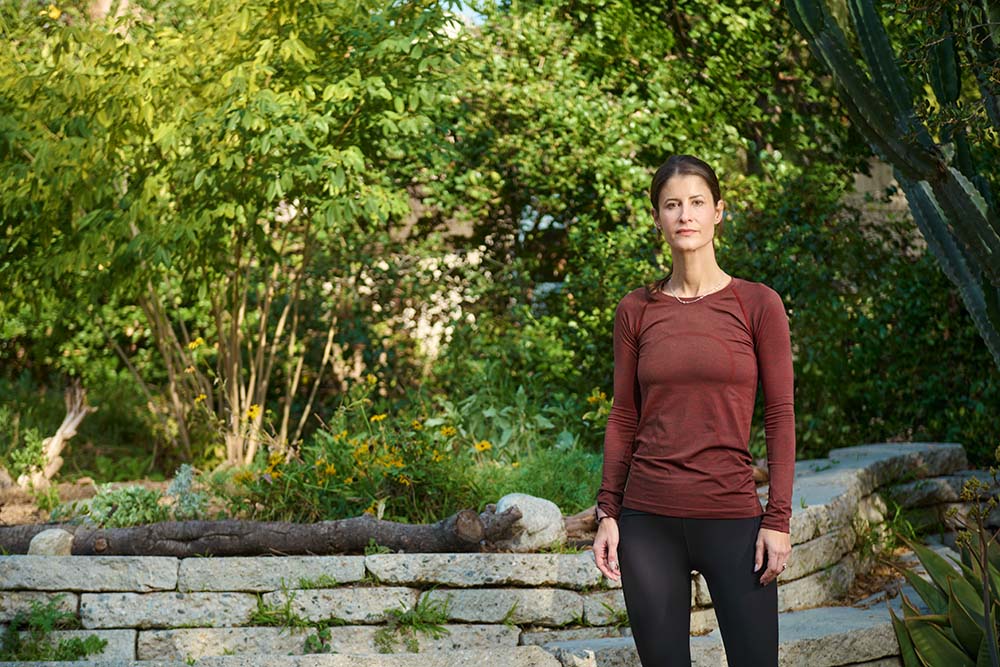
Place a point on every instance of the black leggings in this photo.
(656, 555)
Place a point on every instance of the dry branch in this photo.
(52, 447)
(463, 531)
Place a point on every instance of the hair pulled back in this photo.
(683, 165)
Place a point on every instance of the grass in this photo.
(426, 617)
(29, 635)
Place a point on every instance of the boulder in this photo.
(541, 523)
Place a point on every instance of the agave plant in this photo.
(956, 631)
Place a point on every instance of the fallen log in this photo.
(463, 531)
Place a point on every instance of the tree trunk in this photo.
(76, 410)
(463, 531)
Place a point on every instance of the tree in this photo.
(224, 166)
(944, 162)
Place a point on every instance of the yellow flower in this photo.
(515, 464)
(242, 477)
(52, 12)
(337, 437)
(199, 398)
(596, 398)
(274, 458)
(189, 369)
(436, 456)
(348, 480)
(404, 480)
(371, 379)
(196, 343)
(483, 445)
(253, 412)
(448, 431)
(378, 418)
(320, 461)
(276, 474)
(330, 470)
(416, 425)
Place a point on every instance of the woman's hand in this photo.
(778, 546)
(606, 548)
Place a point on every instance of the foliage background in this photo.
(446, 216)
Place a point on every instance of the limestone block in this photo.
(818, 553)
(52, 542)
(20, 601)
(90, 573)
(541, 523)
(703, 621)
(935, 490)
(198, 642)
(515, 656)
(542, 637)
(872, 509)
(604, 607)
(353, 604)
(475, 569)
(165, 610)
(887, 462)
(699, 591)
(120, 646)
(266, 574)
(818, 588)
(541, 606)
(830, 636)
(610, 652)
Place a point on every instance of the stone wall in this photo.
(168, 608)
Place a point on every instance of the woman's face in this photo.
(686, 214)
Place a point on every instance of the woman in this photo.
(689, 350)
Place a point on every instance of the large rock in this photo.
(87, 573)
(818, 553)
(268, 574)
(352, 604)
(199, 642)
(541, 523)
(165, 610)
(52, 542)
(540, 606)
(467, 570)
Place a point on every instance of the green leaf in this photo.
(906, 650)
(933, 646)
(967, 625)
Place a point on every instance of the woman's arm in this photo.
(772, 343)
(624, 417)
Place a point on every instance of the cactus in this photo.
(951, 202)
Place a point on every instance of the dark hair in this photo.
(686, 165)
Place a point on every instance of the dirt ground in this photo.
(18, 506)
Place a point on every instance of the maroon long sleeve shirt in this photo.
(685, 382)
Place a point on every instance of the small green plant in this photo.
(508, 618)
(127, 506)
(618, 618)
(426, 617)
(318, 642)
(188, 503)
(282, 615)
(372, 548)
(322, 581)
(28, 636)
(46, 499)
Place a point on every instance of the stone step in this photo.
(519, 656)
(818, 637)
(834, 636)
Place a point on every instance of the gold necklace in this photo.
(696, 298)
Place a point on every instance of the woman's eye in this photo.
(698, 202)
